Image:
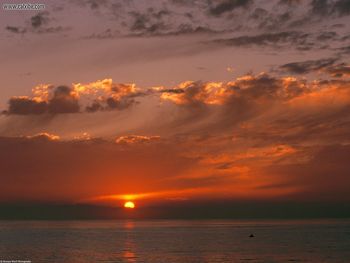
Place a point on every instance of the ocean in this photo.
(175, 241)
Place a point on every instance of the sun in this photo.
(129, 204)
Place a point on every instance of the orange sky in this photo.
(175, 102)
(258, 137)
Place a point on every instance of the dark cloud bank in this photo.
(172, 17)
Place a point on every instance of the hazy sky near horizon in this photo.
(175, 100)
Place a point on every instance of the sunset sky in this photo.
(163, 101)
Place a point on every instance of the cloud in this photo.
(181, 17)
(15, 29)
(94, 107)
(132, 139)
(193, 106)
(56, 29)
(327, 35)
(112, 103)
(39, 24)
(91, 97)
(342, 7)
(320, 7)
(262, 108)
(307, 66)
(218, 107)
(24, 105)
(227, 6)
(39, 19)
(191, 92)
(289, 38)
(44, 136)
(213, 17)
(339, 70)
(142, 22)
(159, 22)
(319, 115)
(327, 66)
(289, 2)
(255, 137)
(325, 7)
(247, 87)
(63, 101)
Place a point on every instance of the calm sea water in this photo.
(175, 241)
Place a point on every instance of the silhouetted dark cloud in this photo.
(63, 101)
(175, 17)
(39, 19)
(15, 29)
(39, 24)
(327, 66)
(339, 70)
(219, 7)
(307, 66)
(298, 39)
(320, 7)
(342, 7)
(327, 7)
(203, 16)
(25, 105)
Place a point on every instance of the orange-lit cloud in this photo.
(259, 86)
(90, 97)
(45, 136)
(131, 139)
(255, 137)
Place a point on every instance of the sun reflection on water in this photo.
(129, 253)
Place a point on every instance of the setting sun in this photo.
(129, 204)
